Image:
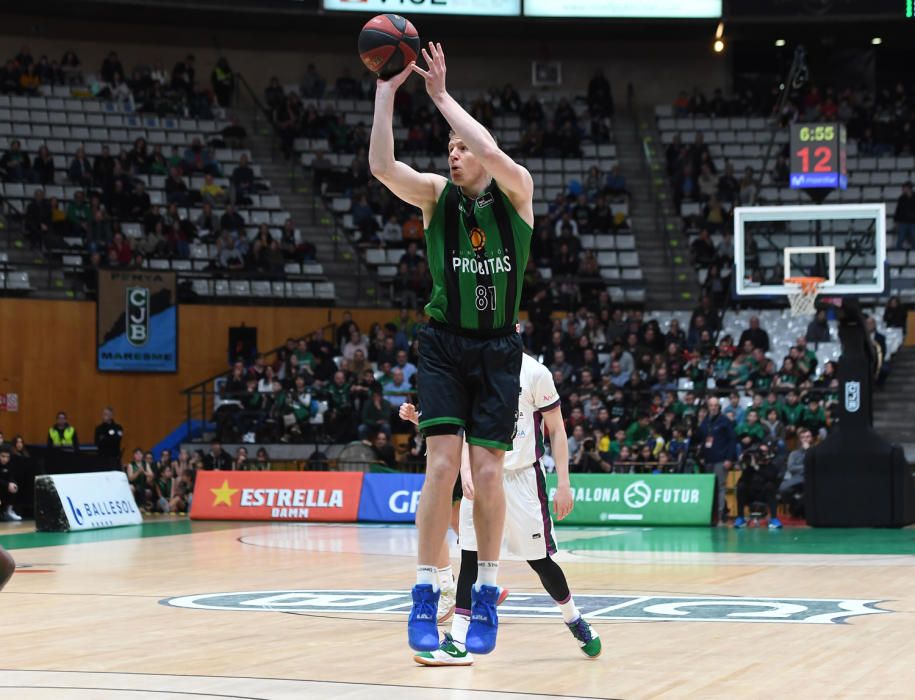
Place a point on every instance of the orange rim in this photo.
(808, 285)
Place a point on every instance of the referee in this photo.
(478, 232)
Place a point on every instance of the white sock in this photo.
(487, 572)
(427, 574)
(446, 577)
(570, 612)
(459, 625)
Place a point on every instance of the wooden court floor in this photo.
(175, 609)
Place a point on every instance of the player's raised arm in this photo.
(419, 189)
(514, 179)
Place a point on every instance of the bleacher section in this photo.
(616, 253)
(64, 124)
(743, 142)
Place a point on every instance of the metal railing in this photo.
(200, 397)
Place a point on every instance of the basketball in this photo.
(387, 44)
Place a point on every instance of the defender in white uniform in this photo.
(528, 524)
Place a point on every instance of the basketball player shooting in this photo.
(528, 525)
(478, 232)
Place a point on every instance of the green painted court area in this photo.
(163, 528)
(703, 540)
(800, 540)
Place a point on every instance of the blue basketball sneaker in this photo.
(740, 522)
(422, 630)
(775, 524)
(484, 621)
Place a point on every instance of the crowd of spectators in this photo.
(303, 394)
(881, 122)
(383, 221)
(637, 396)
(555, 133)
(146, 88)
(114, 183)
(166, 484)
(114, 194)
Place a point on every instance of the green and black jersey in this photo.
(477, 251)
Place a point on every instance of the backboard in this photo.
(843, 243)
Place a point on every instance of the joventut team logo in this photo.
(477, 239)
(637, 495)
(137, 316)
(852, 396)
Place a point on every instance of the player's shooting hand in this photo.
(391, 84)
(408, 412)
(435, 73)
(563, 502)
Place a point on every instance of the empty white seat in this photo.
(374, 256)
(202, 287)
(261, 288)
(607, 259)
(240, 288)
(132, 229)
(629, 259)
(17, 280)
(324, 290)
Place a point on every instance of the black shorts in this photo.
(457, 493)
(471, 383)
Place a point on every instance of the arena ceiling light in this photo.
(780, 42)
(718, 46)
(876, 41)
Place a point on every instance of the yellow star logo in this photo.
(224, 494)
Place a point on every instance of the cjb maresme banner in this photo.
(137, 320)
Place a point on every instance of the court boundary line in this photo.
(314, 680)
(125, 690)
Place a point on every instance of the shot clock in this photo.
(818, 158)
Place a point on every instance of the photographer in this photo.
(758, 483)
(791, 489)
(589, 461)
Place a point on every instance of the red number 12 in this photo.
(823, 156)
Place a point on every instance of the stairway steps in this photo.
(894, 415)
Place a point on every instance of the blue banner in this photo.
(137, 321)
(390, 498)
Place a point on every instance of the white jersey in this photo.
(538, 395)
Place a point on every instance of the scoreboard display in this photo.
(818, 156)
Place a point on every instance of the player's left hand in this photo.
(563, 502)
(435, 75)
(408, 412)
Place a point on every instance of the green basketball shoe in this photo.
(448, 654)
(586, 636)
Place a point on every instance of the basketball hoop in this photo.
(803, 301)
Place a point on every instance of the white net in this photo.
(803, 299)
